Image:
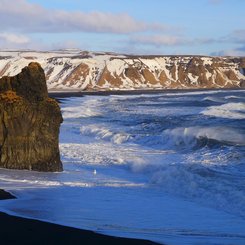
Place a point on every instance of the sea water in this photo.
(169, 167)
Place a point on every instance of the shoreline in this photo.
(4, 195)
(78, 93)
(18, 230)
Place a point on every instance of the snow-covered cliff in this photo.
(74, 69)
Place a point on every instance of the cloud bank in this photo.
(13, 38)
(22, 25)
(160, 40)
(19, 15)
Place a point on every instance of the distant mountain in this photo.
(75, 69)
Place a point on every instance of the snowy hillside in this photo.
(75, 69)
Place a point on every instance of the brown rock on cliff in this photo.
(29, 122)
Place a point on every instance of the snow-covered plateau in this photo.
(83, 70)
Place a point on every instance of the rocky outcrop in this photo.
(242, 84)
(6, 195)
(107, 71)
(29, 122)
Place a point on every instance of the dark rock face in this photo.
(29, 122)
(173, 72)
(6, 195)
(242, 84)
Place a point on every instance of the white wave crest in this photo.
(233, 97)
(212, 99)
(229, 110)
(101, 132)
(87, 106)
(15, 179)
(78, 112)
(189, 135)
(99, 153)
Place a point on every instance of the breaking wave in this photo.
(78, 112)
(181, 137)
(105, 134)
(204, 136)
(228, 110)
(213, 99)
(201, 161)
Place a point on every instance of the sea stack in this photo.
(29, 122)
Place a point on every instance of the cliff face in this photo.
(107, 71)
(29, 122)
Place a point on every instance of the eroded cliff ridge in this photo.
(67, 69)
(29, 122)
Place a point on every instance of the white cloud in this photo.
(238, 36)
(240, 51)
(170, 40)
(67, 44)
(14, 38)
(23, 16)
(160, 40)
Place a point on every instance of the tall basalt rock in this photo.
(29, 122)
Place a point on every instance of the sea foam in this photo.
(228, 110)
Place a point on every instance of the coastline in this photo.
(79, 93)
(17, 230)
(6, 195)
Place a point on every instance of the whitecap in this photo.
(188, 136)
(104, 133)
(228, 110)
(78, 112)
(213, 99)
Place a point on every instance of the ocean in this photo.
(168, 167)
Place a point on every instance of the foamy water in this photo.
(166, 167)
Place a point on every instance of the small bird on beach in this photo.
(94, 172)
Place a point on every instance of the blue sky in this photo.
(208, 27)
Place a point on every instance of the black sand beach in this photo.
(16, 230)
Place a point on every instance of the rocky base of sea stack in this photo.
(29, 122)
